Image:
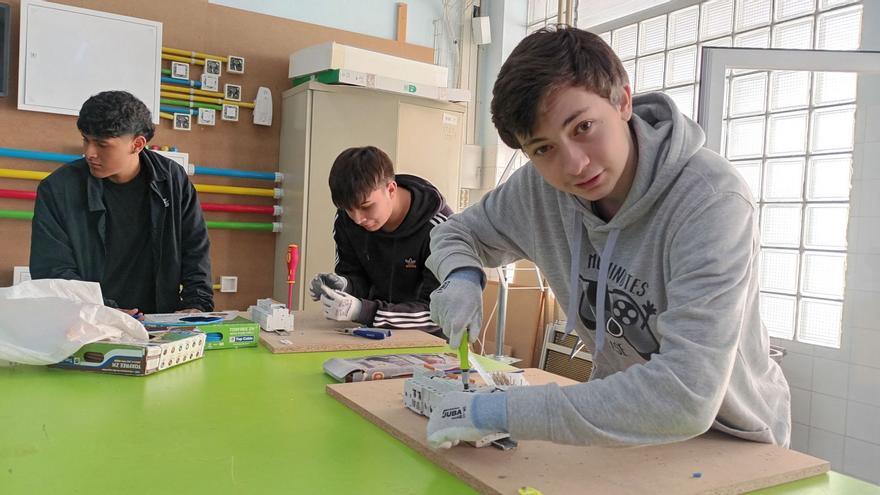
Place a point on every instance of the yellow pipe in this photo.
(240, 191)
(185, 60)
(10, 173)
(216, 286)
(181, 89)
(166, 116)
(185, 53)
(205, 99)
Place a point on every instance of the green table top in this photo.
(236, 421)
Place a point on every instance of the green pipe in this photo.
(266, 226)
(191, 104)
(16, 215)
(166, 72)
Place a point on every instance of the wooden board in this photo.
(727, 465)
(314, 333)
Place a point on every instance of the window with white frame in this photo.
(790, 134)
(542, 13)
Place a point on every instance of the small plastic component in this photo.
(271, 315)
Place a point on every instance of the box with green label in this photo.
(222, 329)
(165, 349)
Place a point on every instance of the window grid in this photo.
(737, 9)
(742, 25)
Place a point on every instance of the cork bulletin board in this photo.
(266, 43)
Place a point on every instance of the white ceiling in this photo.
(595, 12)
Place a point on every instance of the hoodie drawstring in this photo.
(602, 283)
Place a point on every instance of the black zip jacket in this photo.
(386, 270)
(69, 232)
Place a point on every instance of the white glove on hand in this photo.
(453, 421)
(340, 306)
(456, 306)
(331, 280)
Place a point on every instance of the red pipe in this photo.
(13, 194)
(265, 210)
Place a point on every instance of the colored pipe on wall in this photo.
(166, 72)
(11, 173)
(37, 155)
(172, 109)
(169, 87)
(241, 174)
(260, 226)
(206, 99)
(191, 104)
(177, 80)
(191, 54)
(232, 208)
(60, 157)
(239, 191)
(186, 60)
(164, 115)
(274, 210)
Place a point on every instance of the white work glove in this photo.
(456, 306)
(340, 306)
(330, 280)
(453, 421)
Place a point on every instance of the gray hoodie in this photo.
(683, 349)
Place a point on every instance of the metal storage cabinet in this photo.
(422, 136)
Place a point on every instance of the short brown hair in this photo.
(356, 173)
(546, 60)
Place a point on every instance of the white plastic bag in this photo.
(45, 321)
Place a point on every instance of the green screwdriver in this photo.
(463, 362)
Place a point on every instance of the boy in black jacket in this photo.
(123, 216)
(382, 233)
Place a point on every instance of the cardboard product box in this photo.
(374, 81)
(232, 331)
(165, 349)
(332, 55)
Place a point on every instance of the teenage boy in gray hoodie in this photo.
(637, 226)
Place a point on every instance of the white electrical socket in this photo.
(228, 284)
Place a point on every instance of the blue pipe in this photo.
(38, 155)
(173, 109)
(242, 174)
(183, 82)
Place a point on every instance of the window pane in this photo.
(745, 138)
(829, 178)
(649, 72)
(795, 34)
(777, 313)
(716, 19)
(823, 274)
(787, 134)
(681, 66)
(781, 225)
(606, 37)
(827, 4)
(534, 27)
(652, 35)
(786, 9)
(752, 13)
(820, 322)
(747, 94)
(751, 172)
(537, 10)
(683, 26)
(624, 41)
(759, 38)
(839, 30)
(825, 226)
(684, 99)
(784, 179)
(834, 87)
(833, 129)
(789, 89)
(779, 270)
(630, 67)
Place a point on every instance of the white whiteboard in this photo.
(67, 54)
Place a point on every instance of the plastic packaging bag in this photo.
(45, 321)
